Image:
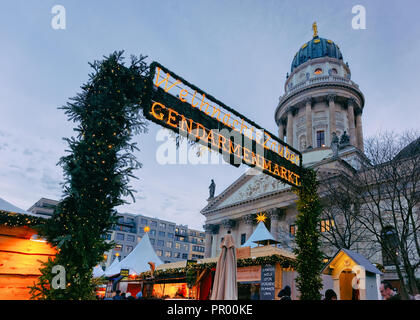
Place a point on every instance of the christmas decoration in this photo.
(308, 253)
(97, 171)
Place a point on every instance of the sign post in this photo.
(175, 104)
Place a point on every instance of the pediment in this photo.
(250, 186)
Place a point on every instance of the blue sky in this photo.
(239, 51)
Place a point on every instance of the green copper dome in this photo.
(316, 48)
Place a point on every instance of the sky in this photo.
(238, 51)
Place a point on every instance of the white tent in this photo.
(113, 269)
(97, 271)
(138, 259)
(260, 233)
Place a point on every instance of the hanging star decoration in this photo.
(261, 217)
(146, 229)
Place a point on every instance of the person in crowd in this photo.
(388, 292)
(330, 295)
(129, 296)
(285, 293)
(139, 295)
(117, 296)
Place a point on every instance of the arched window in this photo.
(389, 246)
(318, 71)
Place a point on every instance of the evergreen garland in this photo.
(97, 171)
(308, 253)
(12, 219)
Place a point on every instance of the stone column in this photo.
(274, 217)
(331, 106)
(359, 130)
(208, 230)
(216, 243)
(309, 139)
(350, 115)
(281, 129)
(290, 127)
(249, 222)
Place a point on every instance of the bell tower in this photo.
(320, 100)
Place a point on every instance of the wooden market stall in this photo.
(261, 273)
(21, 252)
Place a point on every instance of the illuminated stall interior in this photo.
(21, 252)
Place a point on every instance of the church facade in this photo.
(320, 114)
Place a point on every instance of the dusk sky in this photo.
(238, 51)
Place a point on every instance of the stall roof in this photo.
(258, 252)
(138, 259)
(356, 257)
(172, 265)
(7, 206)
(98, 272)
(260, 234)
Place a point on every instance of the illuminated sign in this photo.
(189, 111)
(124, 272)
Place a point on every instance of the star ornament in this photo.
(261, 217)
(146, 229)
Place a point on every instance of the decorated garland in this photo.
(12, 219)
(308, 253)
(190, 271)
(97, 171)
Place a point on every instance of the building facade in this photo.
(320, 114)
(172, 242)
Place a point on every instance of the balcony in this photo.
(317, 81)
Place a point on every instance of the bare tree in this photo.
(388, 206)
(340, 227)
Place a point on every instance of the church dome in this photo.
(316, 48)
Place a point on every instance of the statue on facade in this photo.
(334, 144)
(344, 140)
(212, 188)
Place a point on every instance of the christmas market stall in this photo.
(21, 251)
(261, 274)
(123, 275)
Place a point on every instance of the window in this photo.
(130, 220)
(153, 224)
(120, 236)
(185, 256)
(318, 71)
(162, 225)
(186, 247)
(159, 253)
(130, 238)
(152, 232)
(390, 250)
(177, 255)
(169, 244)
(320, 139)
(170, 235)
(198, 248)
(333, 71)
(129, 249)
(152, 241)
(326, 224)
(292, 230)
(160, 243)
(161, 234)
(143, 222)
(118, 247)
(243, 238)
(168, 254)
(108, 236)
(171, 227)
(177, 245)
